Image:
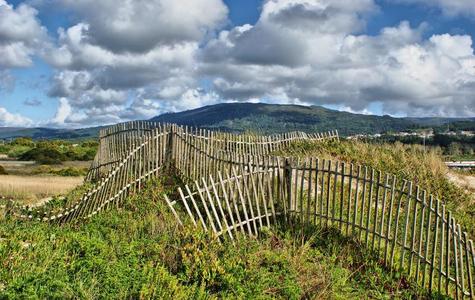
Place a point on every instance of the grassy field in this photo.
(138, 252)
(26, 168)
(31, 189)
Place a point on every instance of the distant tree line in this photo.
(49, 151)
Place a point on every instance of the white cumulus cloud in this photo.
(127, 59)
(330, 62)
(9, 119)
(21, 35)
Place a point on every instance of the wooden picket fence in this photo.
(234, 185)
(116, 141)
(410, 230)
(130, 153)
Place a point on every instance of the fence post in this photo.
(288, 183)
(170, 148)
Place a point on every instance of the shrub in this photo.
(16, 151)
(43, 155)
(43, 170)
(23, 141)
(71, 171)
(3, 171)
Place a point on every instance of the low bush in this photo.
(70, 171)
(44, 155)
(50, 151)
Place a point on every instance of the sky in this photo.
(79, 63)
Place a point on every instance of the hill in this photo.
(265, 119)
(272, 118)
(49, 133)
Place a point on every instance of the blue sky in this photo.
(70, 66)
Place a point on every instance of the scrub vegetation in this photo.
(138, 250)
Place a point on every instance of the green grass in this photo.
(139, 252)
(49, 151)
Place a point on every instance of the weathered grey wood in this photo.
(348, 211)
(301, 213)
(376, 205)
(355, 214)
(441, 248)
(243, 202)
(205, 205)
(447, 251)
(317, 173)
(420, 235)
(406, 225)
(172, 209)
(220, 207)
(333, 198)
(322, 189)
(232, 195)
(211, 203)
(342, 195)
(456, 257)
(255, 195)
(363, 200)
(370, 200)
(328, 191)
(427, 235)
(470, 254)
(390, 220)
(434, 245)
(186, 206)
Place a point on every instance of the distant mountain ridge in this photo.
(259, 118)
(273, 118)
(49, 133)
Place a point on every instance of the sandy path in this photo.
(467, 182)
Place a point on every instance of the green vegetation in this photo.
(50, 133)
(452, 147)
(266, 119)
(49, 152)
(423, 167)
(271, 118)
(67, 171)
(139, 252)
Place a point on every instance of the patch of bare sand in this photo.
(466, 182)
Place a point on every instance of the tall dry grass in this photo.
(31, 189)
(424, 167)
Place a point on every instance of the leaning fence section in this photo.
(142, 162)
(128, 153)
(229, 205)
(116, 141)
(409, 229)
